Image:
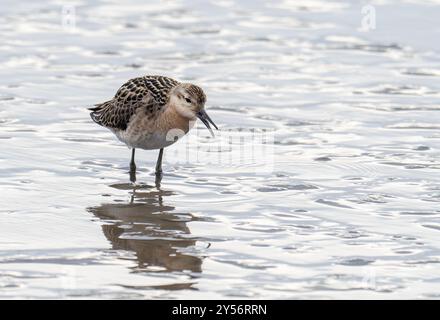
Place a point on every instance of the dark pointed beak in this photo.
(203, 116)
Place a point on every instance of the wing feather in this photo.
(148, 92)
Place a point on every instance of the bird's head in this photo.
(189, 101)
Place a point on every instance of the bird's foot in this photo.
(159, 176)
(133, 175)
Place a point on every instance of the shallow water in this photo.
(338, 198)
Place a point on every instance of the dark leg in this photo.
(159, 163)
(159, 169)
(157, 181)
(132, 167)
(132, 164)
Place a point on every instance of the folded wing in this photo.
(150, 93)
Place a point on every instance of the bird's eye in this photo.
(188, 100)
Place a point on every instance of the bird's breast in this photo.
(172, 122)
(161, 131)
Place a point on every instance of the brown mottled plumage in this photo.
(146, 109)
(149, 92)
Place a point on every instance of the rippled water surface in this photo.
(342, 202)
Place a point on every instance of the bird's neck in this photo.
(173, 119)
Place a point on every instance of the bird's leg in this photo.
(132, 167)
(157, 181)
(159, 169)
(159, 163)
(132, 164)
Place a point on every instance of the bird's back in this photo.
(149, 92)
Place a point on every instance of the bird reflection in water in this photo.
(149, 228)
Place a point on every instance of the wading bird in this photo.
(150, 112)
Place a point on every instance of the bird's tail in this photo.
(98, 111)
